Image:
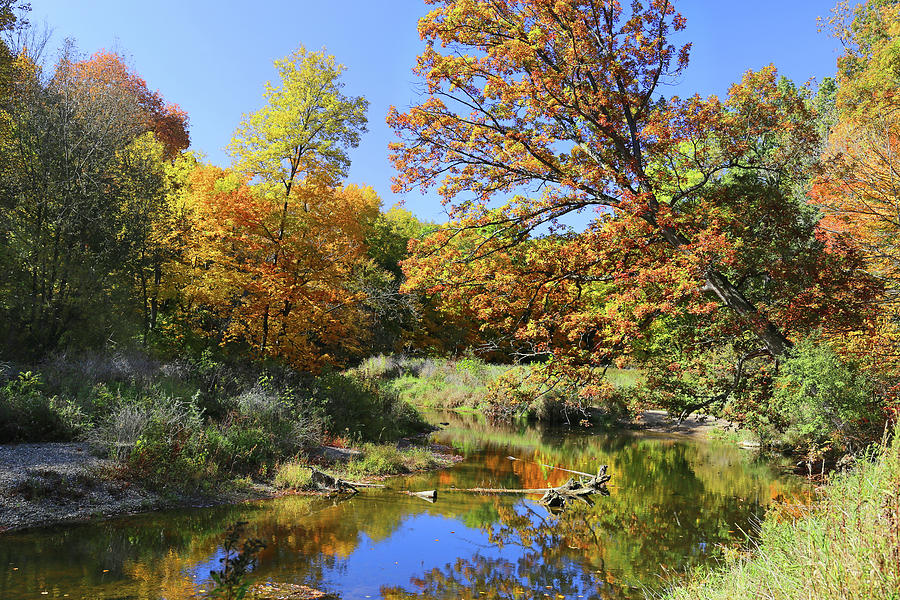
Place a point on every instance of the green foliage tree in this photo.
(821, 398)
(306, 127)
(81, 182)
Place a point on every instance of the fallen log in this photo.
(324, 481)
(581, 490)
(558, 497)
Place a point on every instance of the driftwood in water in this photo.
(501, 490)
(428, 495)
(581, 490)
(557, 497)
(551, 467)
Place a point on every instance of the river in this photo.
(674, 503)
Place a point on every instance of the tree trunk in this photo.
(768, 333)
(775, 341)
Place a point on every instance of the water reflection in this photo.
(672, 503)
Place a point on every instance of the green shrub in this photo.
(28, 415)
(820, 400)
(358, 404)
(171, 450)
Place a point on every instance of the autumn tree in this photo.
(168, 122)
(81, 184)
(9, 22)
(301, 135)
(700, 243)
(857, 189)
(300, 308)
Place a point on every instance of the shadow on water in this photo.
(673, 503)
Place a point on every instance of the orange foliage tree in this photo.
(701, 256)
(105, 71)
(276, 280)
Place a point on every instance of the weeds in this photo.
(381, 460)
(293, 476)
(232, 581)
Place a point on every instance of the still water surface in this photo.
(673, 503)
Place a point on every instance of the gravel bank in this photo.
(43, 484)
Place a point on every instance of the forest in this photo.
(206, 324)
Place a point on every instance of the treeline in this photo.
(741, 257)
(110, 231)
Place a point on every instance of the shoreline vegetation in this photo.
(845, 545)
(204, 431)
(194, 432)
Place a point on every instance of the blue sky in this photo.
(213, 56)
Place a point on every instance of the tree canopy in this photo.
(701, 242)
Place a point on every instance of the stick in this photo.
(500, 490)
(551, 466)
(365, 485)
(430, 495)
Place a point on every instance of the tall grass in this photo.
(470, 383)
(845, 547)
(434, 382)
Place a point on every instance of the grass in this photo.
(464, 384)
(844, 547)
(293, 476)
(381, 460)
(376, 460)
(434, 382)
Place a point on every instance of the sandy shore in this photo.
(695, 426)
(50, 483)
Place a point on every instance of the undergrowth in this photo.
(192, 424)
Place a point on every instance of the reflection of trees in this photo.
(497, 578)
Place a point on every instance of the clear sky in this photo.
(213, 56)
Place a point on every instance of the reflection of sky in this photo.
(421, 543)
(200, 572)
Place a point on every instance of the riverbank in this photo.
(694, 426)
(52, 483)
(844, 546)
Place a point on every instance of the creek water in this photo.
(674, 504)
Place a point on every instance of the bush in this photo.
(352, 403)
(820, 400)
(191, 423)
(28, 415)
